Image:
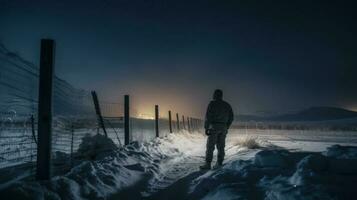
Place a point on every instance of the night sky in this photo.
(267, 56)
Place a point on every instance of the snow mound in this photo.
(270, 158)
(307, 170)
(107, 171)
(280, 174)
(93, 146)
(342, 159)
(342, 152)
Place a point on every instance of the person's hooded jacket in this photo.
(219, 115)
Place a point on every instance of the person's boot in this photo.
(206, 166)
(217, 165)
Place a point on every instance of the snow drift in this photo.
(167, 168)
(106, 170)
(280, 174)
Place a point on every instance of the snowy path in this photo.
(174, 171)
(175, 182)
(176, 174)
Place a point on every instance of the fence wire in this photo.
(18, 106)
(73, 114)
(74, 117)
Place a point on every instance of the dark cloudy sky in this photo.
(267, 56)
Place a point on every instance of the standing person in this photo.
(219, 117)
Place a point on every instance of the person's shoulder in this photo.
(226, 103)
(211, 103)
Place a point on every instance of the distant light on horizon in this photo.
(145, 116)
(351, 107)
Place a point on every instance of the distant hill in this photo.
(310, 114)
(249, 118)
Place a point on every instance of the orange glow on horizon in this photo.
(145, 116)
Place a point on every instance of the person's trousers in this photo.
(217, 138)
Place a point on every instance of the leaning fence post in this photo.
(126, 120)
(170, 122)
(45, 109)
(177, 122)
(33, 129)
(98, 112)
(157, 120)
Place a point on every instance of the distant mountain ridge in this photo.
(310, 114)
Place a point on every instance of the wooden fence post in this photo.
(157, 120)
(43, 171)
(126, 120)
(195, 123)
(183, 122)
(188, 124)
(170, 122)
(177, 122)
(98, 112)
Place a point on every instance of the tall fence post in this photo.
(98, 112)
(126, 120)
(177, 122)
(188, 124)
(195, 124)
(43, 171)
(183, 122)
(170, 121)
(157, 120)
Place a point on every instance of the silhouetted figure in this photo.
(219, 117)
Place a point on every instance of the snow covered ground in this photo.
(282, 165)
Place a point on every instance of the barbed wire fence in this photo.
(18, 107)
(74, 117)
